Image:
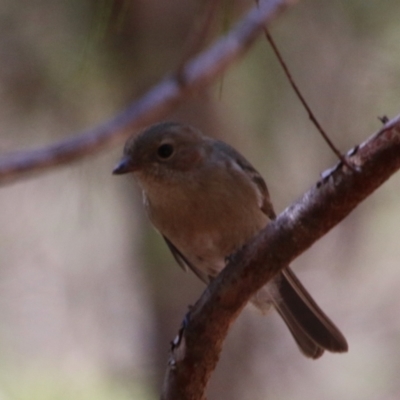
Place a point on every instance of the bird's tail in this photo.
(312, 330)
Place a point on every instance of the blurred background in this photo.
(90, 296)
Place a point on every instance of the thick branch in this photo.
(155, 104)
(294, 231)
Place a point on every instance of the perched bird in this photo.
(207, 201)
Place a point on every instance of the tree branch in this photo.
(155, 104)
(195, 354)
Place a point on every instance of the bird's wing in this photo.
(251, 172)
(184, 263)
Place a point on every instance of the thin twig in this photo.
(304, 102)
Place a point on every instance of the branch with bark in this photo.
(194, 75)
(196, 351)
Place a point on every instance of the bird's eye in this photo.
(165, 151)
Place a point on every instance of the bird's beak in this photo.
(124, 166)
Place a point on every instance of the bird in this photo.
(207, 201)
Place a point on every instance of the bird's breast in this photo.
(206, 223)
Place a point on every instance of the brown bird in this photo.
(207, 201)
